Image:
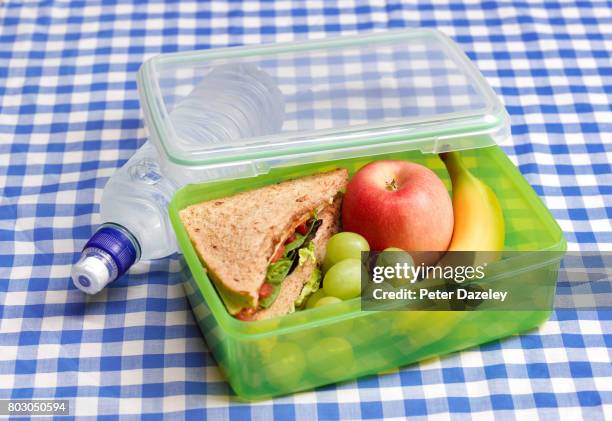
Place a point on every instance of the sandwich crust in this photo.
(236, 236)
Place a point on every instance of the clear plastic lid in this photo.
(413, 88)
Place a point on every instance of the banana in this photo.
(479, 220)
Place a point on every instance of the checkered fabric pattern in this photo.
(69, 116)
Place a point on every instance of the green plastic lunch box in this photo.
(407, 95)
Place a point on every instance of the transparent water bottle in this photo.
(232, 102)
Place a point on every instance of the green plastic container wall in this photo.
(340, 342)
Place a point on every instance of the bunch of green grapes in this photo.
(342, 267)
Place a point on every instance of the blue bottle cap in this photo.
(108, 254)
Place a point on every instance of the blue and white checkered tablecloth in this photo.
(69, 116)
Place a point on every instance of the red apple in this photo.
(399, 204)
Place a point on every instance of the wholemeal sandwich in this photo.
(262, 247)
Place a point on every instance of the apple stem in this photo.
(392, 185)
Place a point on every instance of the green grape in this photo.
(344, 245)
(314, 298)
(343, 280)
(266, 343)
(333, 358)
(284, 365)
(391, 257)
(422, 328)
(342, 328)
(327, 300)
